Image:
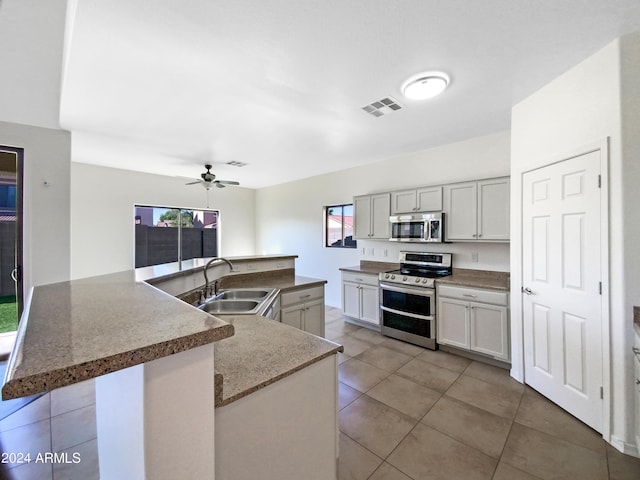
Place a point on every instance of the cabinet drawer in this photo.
(304, 295)
(474, 294)
(365, 278)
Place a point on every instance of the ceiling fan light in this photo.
(425, 85)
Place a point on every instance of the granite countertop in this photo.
(283, 280)
(461, 276)
(77, 330)
(261, 352)
(166, 271)
(477, 279)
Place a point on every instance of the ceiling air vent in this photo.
(382, 107)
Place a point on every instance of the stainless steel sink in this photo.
(240, 294)
(240, 301)
(231, 306)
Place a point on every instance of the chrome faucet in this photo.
(206, 278)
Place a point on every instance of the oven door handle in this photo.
(407, 314)
(425, 292)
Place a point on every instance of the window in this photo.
(339, 226)
(169, 234)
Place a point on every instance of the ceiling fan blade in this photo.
(194, 183)
(228, 182)
(220, 185)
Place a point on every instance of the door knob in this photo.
(527, 290)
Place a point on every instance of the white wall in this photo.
(102, 223)
(47, 156)
(31, 45)
(581, 107)
(289, 216)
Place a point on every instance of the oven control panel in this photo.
(407, 280)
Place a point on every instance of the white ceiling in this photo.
(164, 86)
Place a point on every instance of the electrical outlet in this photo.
(474, 257)
(372, 251)
(362, 250)
(385, 253)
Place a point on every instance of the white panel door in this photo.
(561, 285)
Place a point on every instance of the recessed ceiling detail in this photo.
(382, 107)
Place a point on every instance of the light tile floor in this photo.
(408, 413)
(62, 422)
(405, 413)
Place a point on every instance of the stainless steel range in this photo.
(407, 297)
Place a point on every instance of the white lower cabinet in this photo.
(304, 309)
(474, 319)
(360, 297)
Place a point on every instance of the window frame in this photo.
(327, 209)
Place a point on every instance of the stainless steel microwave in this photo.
(419, 228)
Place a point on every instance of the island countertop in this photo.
(261, 352)
(80, 329)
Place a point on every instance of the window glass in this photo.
(167, 234)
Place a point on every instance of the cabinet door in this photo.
(351, 299)
(460, 204)
(293, 316)
(453, 322)
(369, 311)
(493, 209)
(314, 318)
(489, 330)
(403, 202)
(362, 217)
(380, 212)
(429, 199)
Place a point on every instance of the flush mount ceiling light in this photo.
(425, 85)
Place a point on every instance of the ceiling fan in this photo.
(208, 179)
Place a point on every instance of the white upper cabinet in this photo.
(372, 216)
(416, 200)
(493, 209)
(477, 210)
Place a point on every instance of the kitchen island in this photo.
(153, 359)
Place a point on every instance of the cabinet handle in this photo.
(474, 235)
(469, 295)
(479, 235)
(305, 296)
(636, 352)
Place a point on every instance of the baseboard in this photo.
(624, 447)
